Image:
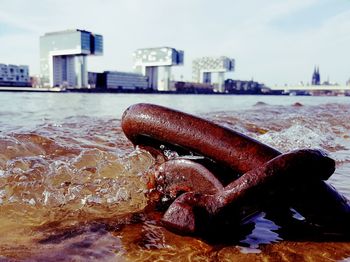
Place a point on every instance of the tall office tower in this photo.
(63, 57)
(156, 63)
(204, 67)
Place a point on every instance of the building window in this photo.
(85, 41)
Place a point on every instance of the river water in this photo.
(72, 187)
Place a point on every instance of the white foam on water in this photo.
(296, 137)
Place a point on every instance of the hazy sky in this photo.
(272, 41)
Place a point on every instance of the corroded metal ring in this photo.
(151, 125)
(142, 122)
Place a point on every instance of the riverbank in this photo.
(136, 91)
(30, 89)
(175, 92)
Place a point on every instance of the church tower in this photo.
(316, 78)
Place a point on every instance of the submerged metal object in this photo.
(262, 182)
(294, 179)
(182, 175)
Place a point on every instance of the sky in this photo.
(274, 42)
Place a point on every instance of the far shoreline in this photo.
(124, 91)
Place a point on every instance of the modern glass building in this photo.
(63, 57)
(155, 63)
(114, 80)
(202, 69)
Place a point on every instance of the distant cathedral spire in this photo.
(316, 78)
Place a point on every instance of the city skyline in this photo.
(272, 42)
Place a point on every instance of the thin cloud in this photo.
(17, 21)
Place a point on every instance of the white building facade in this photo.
(156, 63)
(14, 75)
(203, 68)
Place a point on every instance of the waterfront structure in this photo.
(14, 75)
(63, 57)
(316, 78)
(156, 63)
(192, 87)
(243, 87)
(313, 89)
(114, 80)
(203, 68)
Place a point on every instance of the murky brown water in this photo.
(75, 190)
